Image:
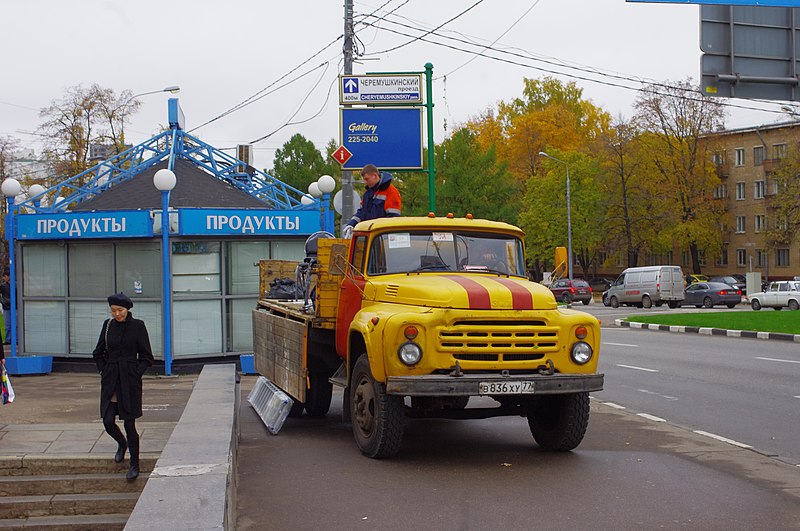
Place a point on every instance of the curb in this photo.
(750, 334)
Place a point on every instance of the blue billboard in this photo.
(229, 222)
(390, 138)
(77, 225)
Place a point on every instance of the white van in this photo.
(645, 286)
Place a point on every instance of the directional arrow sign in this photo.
(342, 155)
(380, 89)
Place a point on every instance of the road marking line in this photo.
(723, 439)
(797, 396)
(637, 368)
(651, 417)
(615, 406)
(777, 359)
(621, 344)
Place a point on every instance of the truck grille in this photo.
(494, 341)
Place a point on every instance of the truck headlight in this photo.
(409, 353)
(581, 352)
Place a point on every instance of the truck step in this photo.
(339, 378)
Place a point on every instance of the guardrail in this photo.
(193, 484)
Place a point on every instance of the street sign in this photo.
(341, 155)
(380, 89)
(388, 137)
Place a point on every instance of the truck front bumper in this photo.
(470, 384)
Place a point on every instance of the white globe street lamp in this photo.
(165, 180)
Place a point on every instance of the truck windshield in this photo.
(420, 251)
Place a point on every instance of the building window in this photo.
(739, 152)
(741, 223)
(761, 258)
(718, 158)
(760, 222)
(722, 259)
(758, 155)
(721, 191)
(779, 151)
(741, 257)
(740, 193)
(701, 257)
(782, 223)
(782, 257)
(759, 190)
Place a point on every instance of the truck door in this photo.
(350, 293)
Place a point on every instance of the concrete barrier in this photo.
(193, 484)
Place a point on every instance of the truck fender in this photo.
(363, 337)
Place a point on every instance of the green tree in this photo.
(470, 180)
(783, 224)
(299, 163)
(544, 219)
(675, 117)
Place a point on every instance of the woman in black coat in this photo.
(122, 356)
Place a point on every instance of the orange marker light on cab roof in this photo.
(581, 332)
(431, 215)
(450, 215)
(468, 216)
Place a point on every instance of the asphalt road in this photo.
(746, 390)
(629, 473)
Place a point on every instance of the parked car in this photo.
(710, 294)
(645, 286)
(600, 283)
(566, 290)
(731, 281)
(691, 278)
(778, 295)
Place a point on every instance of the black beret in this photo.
(120, 299)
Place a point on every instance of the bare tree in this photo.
(674, 118)
(82, 117)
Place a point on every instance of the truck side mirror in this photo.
(338, 263)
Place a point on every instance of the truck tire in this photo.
(613, 302)
(558, 422)
(647, 302)
(378, 419)
(318, 395)
(674, 304)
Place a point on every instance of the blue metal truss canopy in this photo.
(168, 146)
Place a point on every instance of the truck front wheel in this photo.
(558, 422)
(378, 419)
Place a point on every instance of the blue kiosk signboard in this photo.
(389, 137)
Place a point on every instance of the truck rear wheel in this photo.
(378, 419)
(558, 422)
(318, 395)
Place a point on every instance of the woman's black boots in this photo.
(133, 471)
(120, 455)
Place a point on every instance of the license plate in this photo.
(505, 388)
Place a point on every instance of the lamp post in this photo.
(164, 180)
(326, 185)
(11, 189)
(569, 216)
(173, 89)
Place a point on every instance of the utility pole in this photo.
(348, 208)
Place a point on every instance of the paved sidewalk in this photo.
(57, 415)
(751, 334)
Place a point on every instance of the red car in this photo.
(566, 290)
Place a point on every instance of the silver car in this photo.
(778, 295)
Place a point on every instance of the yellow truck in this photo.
(420, 317)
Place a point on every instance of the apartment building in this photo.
(745, 159)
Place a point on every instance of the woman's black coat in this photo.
(121, 363)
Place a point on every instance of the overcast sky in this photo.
(223, 52)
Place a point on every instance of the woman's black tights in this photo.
(110, 424)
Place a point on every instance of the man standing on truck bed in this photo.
(381, 199)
